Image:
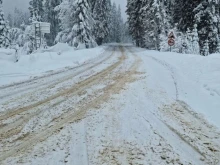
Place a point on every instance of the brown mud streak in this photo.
(13, 112)
(197, 128)
(16, 127)
(71, 117)
(66, 78)
(41, 77)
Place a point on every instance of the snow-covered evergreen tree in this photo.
(208, 19)
(184, 45)
(115, 24)
(195, 41)
(176, 11)
(65, 14)
(36, 10)
(218, 47)
(101, 14)
(112, 23)
(125, 36)
(92, 4)
(135, 8)
(10, 20)
(119, 25)
(4, 29)
(83, 25)
(51, 16)
(18, 17)
(29, 44)
(149, 22)
(14, 34)
(206, 48)
(161, 22)
(185, 17)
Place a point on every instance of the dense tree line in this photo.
(80, 23)
(150, 22)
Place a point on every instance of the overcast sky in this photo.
(123, 4)
(9, 5)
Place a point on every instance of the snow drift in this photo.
(197, 79)
(41, 63)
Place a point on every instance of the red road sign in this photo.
(171, 35)
(171, 42)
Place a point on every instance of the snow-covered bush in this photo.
(17, 36)
(28, 47)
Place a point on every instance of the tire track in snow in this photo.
(29, 87)
(15, 127)
(52, 74)
(33, 139)
(189, 129)
(194, 130)
(14, 111)
(168, 67)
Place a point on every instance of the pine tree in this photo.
(149, 29)
(51, 16)
(149, 22)
(36, 10)
(186, 16)
(65, 15)
(83, 25)
(92, 5)
(218, 47)
(119, 25)
(195, 41)
(108, 39)
(10, 20)
(101, 13)
(17, 18)
(206, 48)
(116, 24)
(125, 36)
(136, 22)
(161, 22)
(113, 29)
(207, 19)
(4, 29)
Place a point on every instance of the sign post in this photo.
(171, 40)
(40, 29)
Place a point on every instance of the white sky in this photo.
(9, 5)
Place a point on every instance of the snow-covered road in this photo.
(122, 107)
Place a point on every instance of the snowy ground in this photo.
(59, 58)
(123, 106)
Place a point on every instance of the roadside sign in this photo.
(171, 35)
(44, 27)
(171, 42)
(40, 28)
